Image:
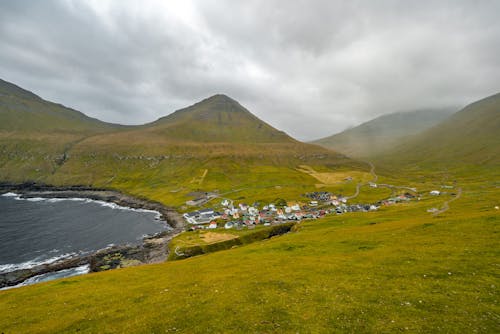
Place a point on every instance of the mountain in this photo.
(215, 144)
(470, 136)
(21, 110)
(375, 136)
(217, 119)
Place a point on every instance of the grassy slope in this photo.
(35, 133)
(23, 111)
(382, 132)
(471, 136)
(217, 119)
(398, 269)
(393, 270)
(160, 160)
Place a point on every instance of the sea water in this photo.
(34, 231)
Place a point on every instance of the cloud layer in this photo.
(311, 68)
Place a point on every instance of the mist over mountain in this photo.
(469, 136)
(377, 135)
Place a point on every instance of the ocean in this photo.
(42, 230)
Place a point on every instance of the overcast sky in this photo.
(310, 68)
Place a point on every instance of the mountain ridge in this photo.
(470, 136)
(22, 110)
(375, 135)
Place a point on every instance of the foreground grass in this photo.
(399, 269)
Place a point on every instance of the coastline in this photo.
(153, 249)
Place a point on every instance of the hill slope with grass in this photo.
(23, 111)
(217, 119)
(215, 144)
(470, 136)
(396, 270)
(381, 133)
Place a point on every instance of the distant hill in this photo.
(471, 136)
(21, 110)
(382, 133)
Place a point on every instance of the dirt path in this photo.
(446, 205)
(201, 178)
(359, 185)
(372, 171)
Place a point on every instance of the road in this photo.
(446, 205)
(359, 185)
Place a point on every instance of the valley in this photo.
(400, 267)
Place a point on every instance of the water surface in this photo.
(37, 230)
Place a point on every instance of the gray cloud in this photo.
(311, 68)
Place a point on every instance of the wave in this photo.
(5, 268)
(65, 273)
(81, 199)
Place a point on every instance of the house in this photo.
(212, 225)
(313, 203)
(191, 217)
(225, 203)
(228, 225)
(253, 211)
(372, 184)
(206, 212)
(435, 192)
(243, 207)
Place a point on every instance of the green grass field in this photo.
(396, 270)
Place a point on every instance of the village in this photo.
(229, 215)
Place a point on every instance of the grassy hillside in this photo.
(214, 145)
(471, 137)
(381, 133)
(217, 119)
(36, 135)
(400, 269)
(23, 111)
(396, 270)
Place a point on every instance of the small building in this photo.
(435, 192)
(252, 210)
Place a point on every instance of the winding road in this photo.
(446, 205)
(359, 185)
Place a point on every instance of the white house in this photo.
(253, 211)
(435, 192)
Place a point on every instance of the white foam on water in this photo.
(65, 273)
(9, 194)
(5, 268)
(110, 205)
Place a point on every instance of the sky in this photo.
(310, 68)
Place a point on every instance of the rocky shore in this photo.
(152, 250)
